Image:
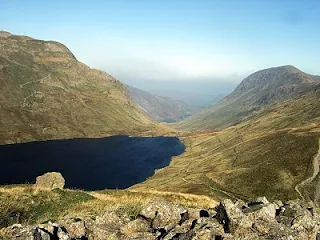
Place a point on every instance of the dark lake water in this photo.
(90, 164)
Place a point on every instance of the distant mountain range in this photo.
(47, 94)
(161, 109)
(260, 89)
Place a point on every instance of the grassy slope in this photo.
(266, 155)
(27, 204)
(47, 94)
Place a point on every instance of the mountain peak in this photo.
(290, 68)
(43, 51)
(277, 70)
(262, 88)
(272, 77)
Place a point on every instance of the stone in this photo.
(75, 227)
(162, 213)
(17, 232)
(50, 180)
(105, 226)
(41, 234)
(194, 213)
(136, 226)
(210, 223)
(208, 227)
(101, 234)
(292, 212)
(141, 236)
(161, 220)
(278, 203)
(270, 228)
(233, 219)
(204, 234)
(267, 212)
(250, 235)
(183, 231)
(264, 200)
(110, 221)
(240, 204)
(62, 234)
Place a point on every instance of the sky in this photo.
(175, 40)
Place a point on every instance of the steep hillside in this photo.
(47, 94)
(260, 89)
(161, 109)
(273, 153)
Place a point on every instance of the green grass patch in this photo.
(29, 205)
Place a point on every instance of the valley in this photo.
(59, 115)
(260, 140)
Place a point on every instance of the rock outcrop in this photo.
(260, 219)
(50, 180)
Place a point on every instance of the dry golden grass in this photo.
(28, 204)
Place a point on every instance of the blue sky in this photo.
(177, 40)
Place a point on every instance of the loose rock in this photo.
(51, 180)
(161, 220)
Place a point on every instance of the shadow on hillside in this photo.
(90, 164)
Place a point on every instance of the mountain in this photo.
(258, 90)
(274, 153)
(46, 93)
(161, 109)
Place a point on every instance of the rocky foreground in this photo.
(164, 220)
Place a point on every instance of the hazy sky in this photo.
(213, 40)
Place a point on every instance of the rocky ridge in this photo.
(159, 219)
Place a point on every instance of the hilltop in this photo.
(46, 93)
(260, 89)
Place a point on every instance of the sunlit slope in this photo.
(47, 94)
(268, 155)
(260, 89)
